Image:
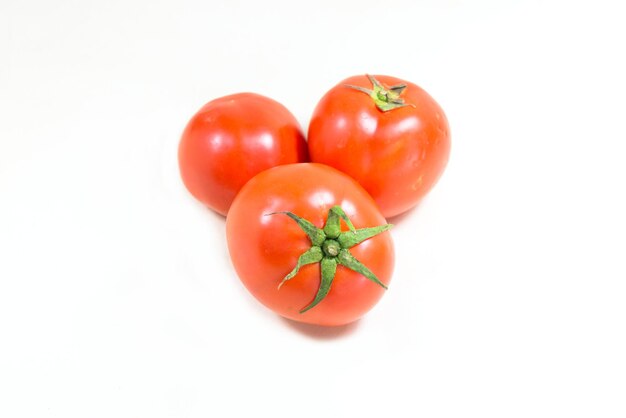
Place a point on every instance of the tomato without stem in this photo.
(387, 133)
(230, 140)
(309, 243)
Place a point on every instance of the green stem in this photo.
(385, 98)
(330, 247)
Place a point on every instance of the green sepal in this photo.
(332, 229)
(361, 89)
(330, 248)
(316, 235)
(375, 83)
(397, 89)
(347, 260)
(385, 99)
(312, 255)
(328, 267)
(350, 239)
(387, 106)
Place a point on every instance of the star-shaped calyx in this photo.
(331, 247)
(385, 98)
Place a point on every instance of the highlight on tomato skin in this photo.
(309, 243)
(230, 140)
(387, 133)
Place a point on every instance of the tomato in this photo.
(386, 133)
(294, 233)
(230, 140)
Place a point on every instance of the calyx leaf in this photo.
(385, 98)
(311, 256)
(332, 236)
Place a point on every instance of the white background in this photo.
(117, 297)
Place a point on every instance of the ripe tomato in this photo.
(230, 140)
(386, 133)
(291, 242)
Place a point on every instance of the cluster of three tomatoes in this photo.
(306, 219)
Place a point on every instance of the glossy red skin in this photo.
(397, 156)
(233, 138)
(264, 248)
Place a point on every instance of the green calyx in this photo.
(385, 98)
(330, 247)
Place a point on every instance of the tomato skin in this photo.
(397, 156)
(230, 140)
(264, 248)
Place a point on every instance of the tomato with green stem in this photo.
(310, 244)
(387, 133)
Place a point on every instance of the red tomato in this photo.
(266, 242)
(230, 140)
(386, 133)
